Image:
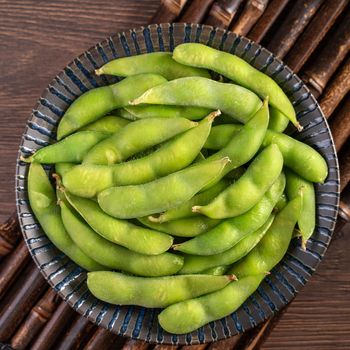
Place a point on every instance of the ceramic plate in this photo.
(69, 280)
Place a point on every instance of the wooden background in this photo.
(37, 39)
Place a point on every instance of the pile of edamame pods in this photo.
(174, 189)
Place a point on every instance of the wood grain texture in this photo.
(37, 39)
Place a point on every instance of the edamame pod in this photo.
(273, 245)
(282, 202)
(307, 219)
(278, 121)
(239, 71)
(134, 138)
(298, 156)
(97, 102)
(242, 195)
(43, 202)
(216, 271)
(185, 227)
(62, 168)
(88, 180)
(113, 255)
(109, 123)
(122, 232)
(231, 231)
(188, 315)
(120, 289)
(196, 263)
(155, 62)
(72, 149)
(246, 143)
(185, 209)
(164, 111)
(234, 100)
(154, 197)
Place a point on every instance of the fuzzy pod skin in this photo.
(155, 62)
(114, 256)
(62, 168)
(109, 123)
(229, 232)
(177, 153)
(72, 149)
(126, 202)
(234, 100)
(298, 156)
(185, 227)
(43, 202)
(197, 263)
(216, 271)
(282, 202)
(239, 71)
(241, 196)
(117, 288)
(187, 316)
(278, 121)
(97, 102)
(307, 219)
(134, 138)
(185, 210)
(122, 232)
(271, 249)
(164, 111)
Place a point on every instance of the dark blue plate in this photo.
(68, 279)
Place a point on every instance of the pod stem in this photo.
(196, 209)
(299, 126)
(155, 219)
(58, 181)
(26, 160)
(211, 116)
(232, 277)
(176, 246)
(99, 71)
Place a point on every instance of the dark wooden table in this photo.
(37, 39)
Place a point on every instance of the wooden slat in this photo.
(168, 11)
(268, 18)
(222, 12)
(292, 26)
(196, 11)
(250, 15)
(314, 33)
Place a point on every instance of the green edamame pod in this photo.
(216, 271)
(136, 137)
(197, 263)
(242, 195)
(282, 202)
(298, 156)
(109, 123)
(278, 121)
(72, 149)
(43, 202)
(246, 143)
(307, 219)
(113, 255)
(185, 227)
(274, 244)
(221, 135)
(188, 315)
(122, 232)
(239, 71)
(97, 102)
(155, 62)
(234, 100)
(231, 231)
(185, 209)
(88, 180)
(62, 168)
(164, 111)
(155, 197)
(120, 289)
